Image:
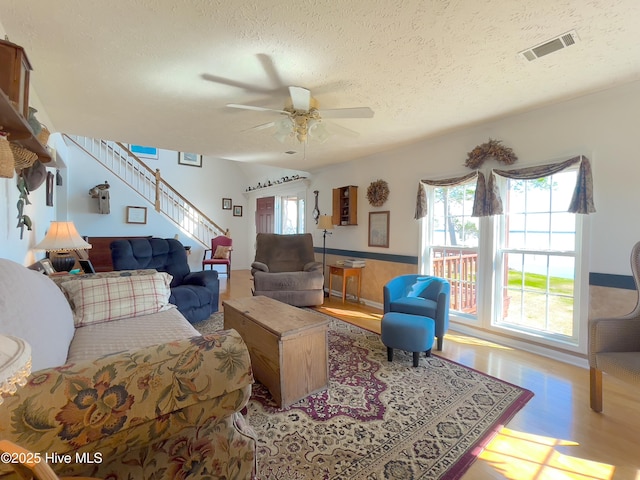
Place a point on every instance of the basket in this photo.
(7, 163)
(43, 136)
(22, 157)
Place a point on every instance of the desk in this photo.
(345, 273)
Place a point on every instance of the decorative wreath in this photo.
(491, 149)
(378, 192)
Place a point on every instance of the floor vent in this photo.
(550, 46)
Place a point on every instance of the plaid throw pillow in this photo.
(105, 299)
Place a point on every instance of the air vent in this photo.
(550, 46)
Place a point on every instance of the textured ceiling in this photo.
(160, 72)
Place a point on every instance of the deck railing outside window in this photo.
(460, 267)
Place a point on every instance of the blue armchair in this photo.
(420, 295)
(195, 294)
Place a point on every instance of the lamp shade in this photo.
(62, 236)
(325, 223)
(15, 364)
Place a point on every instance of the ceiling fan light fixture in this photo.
(302, 119)
(283, 129)
(318, 131)
(281, 136)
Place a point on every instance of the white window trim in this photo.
(486, 297)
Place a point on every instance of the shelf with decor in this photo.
(345, 206)
(19, 130)
(14, 99)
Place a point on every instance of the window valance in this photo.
(487, 199)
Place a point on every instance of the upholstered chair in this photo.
(285, 269)
(421, 295)
(219, 253)
(195, 294)
(614, 344)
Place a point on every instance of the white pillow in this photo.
(33, 308)
(98, 300)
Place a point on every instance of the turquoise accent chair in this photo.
(421, 295)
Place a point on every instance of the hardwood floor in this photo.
(556, 435)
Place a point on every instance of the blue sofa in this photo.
(195, 294)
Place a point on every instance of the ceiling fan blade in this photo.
(339, 129)
(300, 98)
(261, 127)
(233, 83)
(270, 69)
(358, 112)
(253, 107)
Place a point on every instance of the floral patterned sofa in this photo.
(144, 396)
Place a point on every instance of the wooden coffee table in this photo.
(288, 346)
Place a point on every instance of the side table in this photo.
(345, 273)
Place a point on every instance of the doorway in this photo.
(265, 214)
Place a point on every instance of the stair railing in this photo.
(119, 160)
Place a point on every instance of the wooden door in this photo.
(265, 214)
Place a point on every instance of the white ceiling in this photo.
(160, 72)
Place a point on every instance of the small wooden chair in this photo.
(223, 257)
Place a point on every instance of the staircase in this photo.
(117, 158)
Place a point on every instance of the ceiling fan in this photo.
(303, 118)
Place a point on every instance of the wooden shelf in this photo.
(19, 130)
(345, 206)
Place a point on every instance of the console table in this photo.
(345, 273)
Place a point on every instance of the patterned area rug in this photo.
(379, 420)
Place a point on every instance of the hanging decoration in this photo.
(491, 149)
(269, 183)
(23, 219)
(101, 192)
(316, 210)
(378, 193)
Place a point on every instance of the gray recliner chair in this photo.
(614, 343)
(285, 269)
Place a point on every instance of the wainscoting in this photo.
(609, 295)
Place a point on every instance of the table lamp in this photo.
(325, 224)
(62, 238)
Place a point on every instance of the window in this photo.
(519, 271)
(453, 244)
(291, 214)
(537, 257)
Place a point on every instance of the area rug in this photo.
(378, 419)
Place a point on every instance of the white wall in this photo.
(11, 246)
(205, 187)
(602, 126)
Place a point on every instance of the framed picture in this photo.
(191, 159)
(144, 152)
(136, 214)
(226, 204)
(47, 267)
(87, 266)
(379, 229)
(237, 210)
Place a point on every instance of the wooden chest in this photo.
(288, 346)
